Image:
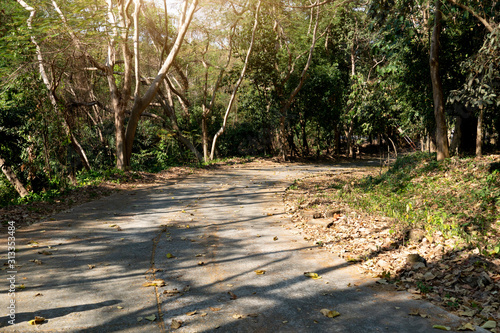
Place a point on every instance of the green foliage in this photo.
(481, 88)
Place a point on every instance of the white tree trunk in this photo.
(11, 177)
(238, 83)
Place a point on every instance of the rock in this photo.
(383, 264)
(429, 276)
(484, 279)
(418, 265)
(309, 214)
(415, 258)
(415, 235)
(331, 213)
(323, 223)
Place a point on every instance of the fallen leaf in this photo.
(192, 313)
(442, 327)
(275, 238)
(36, 261)
(489, 324)
(44, 252)
(170, 293)
(252, 315)
(199, 255)
(170, 255)
(215, 309)
(203, 314)
(201, 263)
(176, 324)
(260, 272)
(139, 318)
(312, 275)
(237, 316)
(414, 312)
(155, 283)
(91, 266)
(233, 296)
(269, 214)
(38, 294)
(329, 313)
(119, 307)
(466, 327)
(21, 287)
(37, 321)
(151, 318)
(112, 225)
(467, 313)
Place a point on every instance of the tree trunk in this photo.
(305, 145)
(350, 146)
(457, 136)
(141, 103)
(437, 89)
(170, 113)
(238, 83)
(11, 177)
(337, 140)
(479, 136)
(49, 85)
(204, 135)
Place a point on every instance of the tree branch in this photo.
(481, 19)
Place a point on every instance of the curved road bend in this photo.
(204, 236)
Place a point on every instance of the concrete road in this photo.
(203, 237)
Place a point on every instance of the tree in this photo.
(11, 176)
(238, 83)
(121, 19)
(437, 88)
(480, 91)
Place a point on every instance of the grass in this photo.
(58, 187)
(457, 197)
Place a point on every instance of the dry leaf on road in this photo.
(37, 321)
(312, 275)
(176, 324)
(151, 318)
(442, 327)
(155, 283)
(329, 313)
